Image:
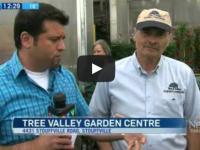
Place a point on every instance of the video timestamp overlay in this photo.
(16, 5)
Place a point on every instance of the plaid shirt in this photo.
(21, 96)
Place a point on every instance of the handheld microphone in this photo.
(60, 107)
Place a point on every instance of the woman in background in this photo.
(100, 47)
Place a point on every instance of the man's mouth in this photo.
(57, 56)
(151, 47)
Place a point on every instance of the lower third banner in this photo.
(89, 126)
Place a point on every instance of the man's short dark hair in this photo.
(31, 21)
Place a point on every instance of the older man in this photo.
(148, 84)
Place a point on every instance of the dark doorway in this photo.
(102, 19)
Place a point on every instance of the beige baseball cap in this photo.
(154, 18)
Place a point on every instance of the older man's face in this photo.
(151, 42)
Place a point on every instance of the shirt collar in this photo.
(17, 67)
(139, 67)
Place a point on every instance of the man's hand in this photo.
(59, 142)
(47, 142)
(134, 140)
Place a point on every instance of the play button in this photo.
(95, 68)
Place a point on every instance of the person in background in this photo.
(100, 47)
(34, 75)
(150, 85)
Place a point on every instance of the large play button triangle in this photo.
(95, 68)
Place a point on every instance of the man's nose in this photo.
(153, 40)
(61, 45)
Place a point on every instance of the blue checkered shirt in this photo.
(20, 96)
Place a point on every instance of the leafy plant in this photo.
(171, 50)
(121, 49)
(197, 49)
(184, 39)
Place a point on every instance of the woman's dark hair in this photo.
(31, 21)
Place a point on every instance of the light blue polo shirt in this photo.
(170, 91)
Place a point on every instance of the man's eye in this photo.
(54, 40)
(146, 32)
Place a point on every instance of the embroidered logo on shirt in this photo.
(173, 88)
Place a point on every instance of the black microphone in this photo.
(60, 107)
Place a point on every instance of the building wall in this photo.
(119, 20)
(90, 25)
(6, 34)
(182, 11)
(122, 15)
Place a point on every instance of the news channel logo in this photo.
(194, 125)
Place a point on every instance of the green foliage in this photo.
(197, 49)
(184, 39)
(171, 50)
(121, 49)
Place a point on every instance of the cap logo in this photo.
(155, 14)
